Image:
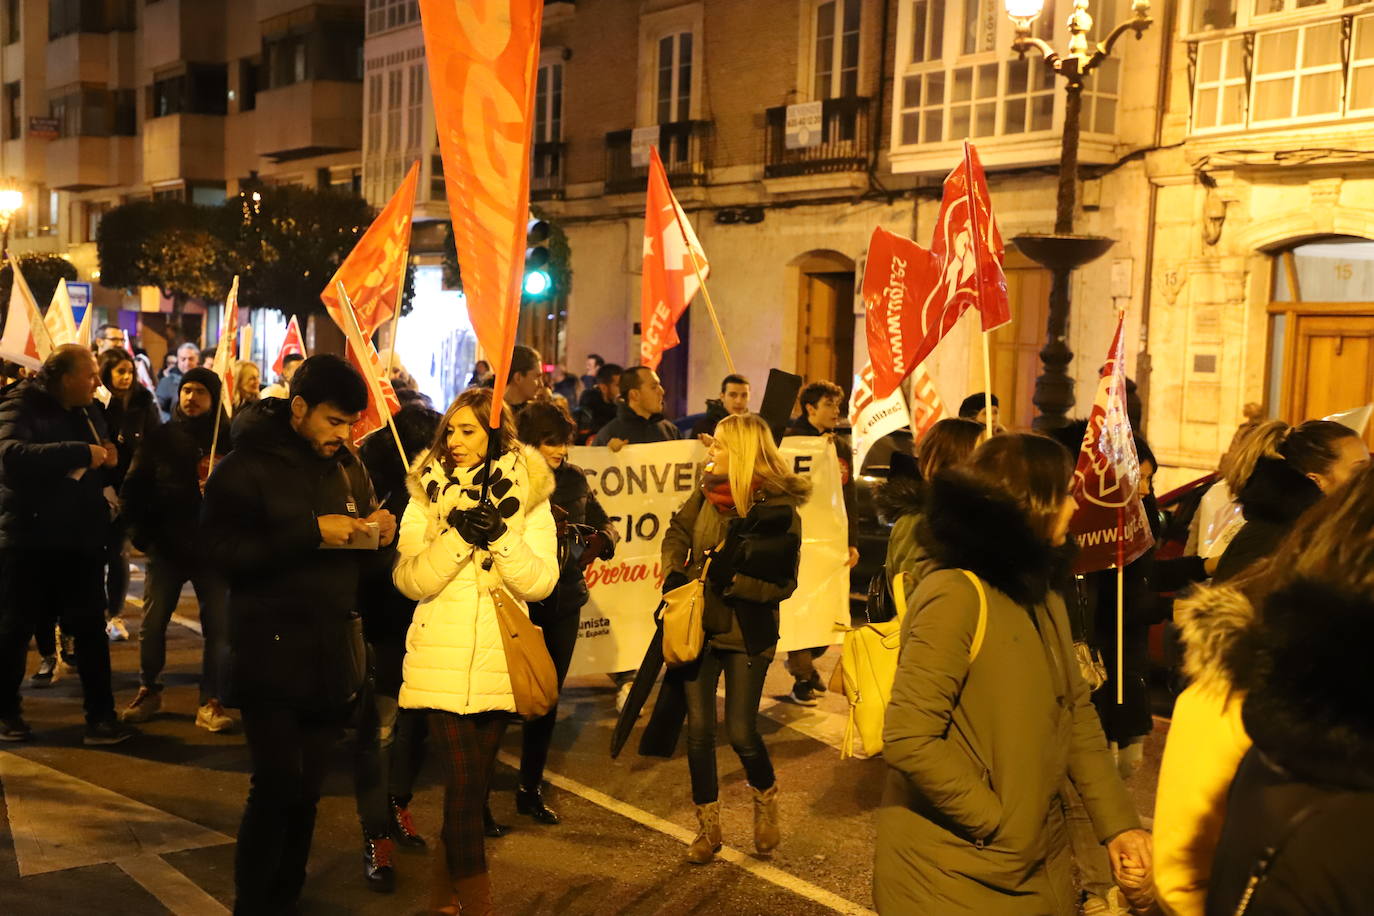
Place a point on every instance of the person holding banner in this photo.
(989, 715)
(744, 519)
(455, 549)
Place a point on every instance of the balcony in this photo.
(85, 163)
(845, 146)
(681, 145)
(546, 172)
(309, 119)
(186, 147)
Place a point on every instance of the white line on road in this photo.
(770, 873)
(172, 889)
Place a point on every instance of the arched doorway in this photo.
(825, 317)
(1321, 329)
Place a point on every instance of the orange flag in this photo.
(374, 273)
(669, 280)
(482, 62)
(364, 358)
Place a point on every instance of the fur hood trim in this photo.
(1310, 709)
(969, 525)
(527, 459)
(791, 490)
(900, 496)
(1217, 626)
(1276, 492)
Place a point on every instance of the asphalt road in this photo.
(147, 827)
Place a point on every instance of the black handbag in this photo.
(879, 607)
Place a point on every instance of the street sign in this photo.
(80, 294)
(641, 140)
(45, 128)
(804, 125)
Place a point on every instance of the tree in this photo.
(178, 247)
(42, 272)
(559, 266)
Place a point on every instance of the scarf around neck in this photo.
(716, 489)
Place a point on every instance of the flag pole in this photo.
(705, 293)
(976, 242)
(1120, 603)
(346, 305)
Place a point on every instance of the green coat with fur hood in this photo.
(971, 821)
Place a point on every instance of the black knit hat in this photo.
(202, 376)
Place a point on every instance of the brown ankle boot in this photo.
(766, 836)
(474, 895)
(707, 842)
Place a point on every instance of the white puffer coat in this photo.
(455, 660)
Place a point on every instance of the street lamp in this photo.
(11, 199)
(1063, 251)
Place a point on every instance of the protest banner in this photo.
(640, 487)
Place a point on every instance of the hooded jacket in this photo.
(293, 604)
(1310, 716)
(1206, 743)
(977, 753)
(635, 429)
(455, 659)
(901, 502)
(50, 496)
(130, 425)
(1271, 500)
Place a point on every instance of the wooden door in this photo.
(1332, 366)
(1015, 347)
(825, 328)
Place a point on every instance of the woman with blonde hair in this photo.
(744, 518)
(455, 550)
(247, 383)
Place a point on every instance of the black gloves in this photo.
(675, 579)
(480, 525)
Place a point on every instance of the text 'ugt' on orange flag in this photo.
(374, 273)
(482, 61)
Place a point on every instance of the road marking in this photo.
(770, 873)
(59, 821)
(172, 889)
(188, 623)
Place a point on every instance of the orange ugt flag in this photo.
(669, 282)
(374, 273)
(482, 59)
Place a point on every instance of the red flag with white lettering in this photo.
(908, 310)
(292, 345)
(968, 243)
(668, 282)
(1110, 525)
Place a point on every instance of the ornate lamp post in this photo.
(1062, 251)
(11, 199)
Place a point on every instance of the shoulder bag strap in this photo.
(899, 595)
(1271, 852)
(981, 629)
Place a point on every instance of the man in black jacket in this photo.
(596, 407)
(734, 398)
(279, 515)
(161, 501)
(54, 530)
(639, 415)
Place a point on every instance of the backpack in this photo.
(868, 665)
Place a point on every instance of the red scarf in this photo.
(716, 489)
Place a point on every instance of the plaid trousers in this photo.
(467, 746)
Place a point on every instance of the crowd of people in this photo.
(364, 588)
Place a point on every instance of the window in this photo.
(94, 111)
(1028, 102)
(249, 74)
(374, 113)
(1213, 14)
(1297, 73)
(979, 31)
(837, 49)
(13, 111)
(94, 212)
(330, 49)
(674, 95)
(193, 89)
(12, 13)
(68, 17)
(1360, 95)
(928, 35)
(390, 14)
(415, 106)
(393, 110)
(548, 104)
(1219, 100)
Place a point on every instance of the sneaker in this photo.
(622, 695)
(107, 732)
(802, 694)
(15, 729)
(116, 630)
(144, 706)
(817, 685)
(68, 650)
(212, 717)
(46, 673)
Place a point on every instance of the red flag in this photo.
(292, 345)
(908, 311)
(969, 244)
(669, 281)
(1110, 526)
(374, 273)
(482, 61)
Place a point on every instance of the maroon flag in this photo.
(969, 244)
(1110, 526)
(908, 311)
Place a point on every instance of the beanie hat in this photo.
(202, 376)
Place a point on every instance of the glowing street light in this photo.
(11, 199)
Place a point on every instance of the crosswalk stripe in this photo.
(173, 889)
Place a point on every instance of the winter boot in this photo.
(403, 827)
(766, 837)
(377, 867)
(708, 841)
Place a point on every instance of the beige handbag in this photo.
(683, 632)
(533, 679)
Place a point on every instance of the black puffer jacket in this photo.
(161, 496)
(50, 497)
(129, 424)
(1272, 499)
(292, 603)
(1310, 717)
(573, 503)
(635, 429)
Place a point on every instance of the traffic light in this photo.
(538, 280)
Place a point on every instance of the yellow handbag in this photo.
(683, 633)
(868, 666)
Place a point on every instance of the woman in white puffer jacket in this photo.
(452, 551)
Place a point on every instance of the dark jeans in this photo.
(117, 569)
(35, 587)
(387, 756)
(290, 752)
(560, 636)
(467, 747)
(744, 675)
(161, 592)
